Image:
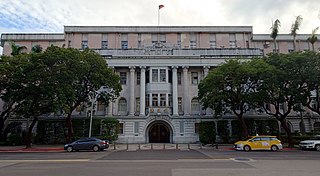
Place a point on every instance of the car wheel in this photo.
(69, 149)
(317, 147)
(95, 148)
(246, 148)
(274, 148)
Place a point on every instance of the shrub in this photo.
(207, 132)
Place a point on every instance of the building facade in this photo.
(160, 68)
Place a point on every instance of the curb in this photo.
(33, 150)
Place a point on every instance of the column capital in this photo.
(206, 67)
(185, 67)
(174, 67)
(132, 68)
(143, 67)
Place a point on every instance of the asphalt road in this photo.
(161, 162)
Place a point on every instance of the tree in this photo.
(282, 87)
(82, 72)
(274, 33)
(36, 49)
(16, 49)
(229, 88)
(294, 28)
(313, 38)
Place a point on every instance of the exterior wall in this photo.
(94, 40)
(182, 126)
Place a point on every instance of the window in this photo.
(154, 75)
(163, 75)
(84, 44)
(179, 40)
(212, 41)
(290, 47)
(162, 38)
(162, 100)
(179, 104)
(170, 100)
(122, 105)
(138, 78)
(195, 106)
(196, 127)
(136, 127)
(181, 127)
(154, 100)
(101, 106)
(120, 128)
(124, 44)
(69, 43)
(139, 40)
(193, 40)
(104, 44)
(194, 77)
(137, 104)
(147, 100)
(179, 77)
(232, 41)
(123, 78)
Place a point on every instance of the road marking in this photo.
(57, 160)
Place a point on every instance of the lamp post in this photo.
(92, 98)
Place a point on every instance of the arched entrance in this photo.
(159, 132)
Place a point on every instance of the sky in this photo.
(51, 15)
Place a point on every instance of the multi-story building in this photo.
(160, 68)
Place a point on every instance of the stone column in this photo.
(174, 91)
(109, 108)
(143, 91)
(206, 71)
(186, 91)
(132, 99)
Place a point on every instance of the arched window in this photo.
(316, 127)
(101, 106)
(195, 106)
(122, 105)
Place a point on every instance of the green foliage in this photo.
(14, 139)
(110, 129)
(36, 49)
(207, 132)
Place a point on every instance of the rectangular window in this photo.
(196, 127)
(101, 106)
(154, 100)
(136, 127)
(232, 41)
(154, 75)
(193, 44)
(124, 44)
(138, 78)
(212, 41)
(104, 44)
(170, 100)
(163, 75)
(139, 40)
(179, 104)
(137, 104)
(179, 40)
(84, 44)
(123, 78)
(179, 78)
(162, 38)
(194, 77)
(154, 38)
(162, 100)
(120, 128)
(181, 127)
(69, 43)
(193, 40)
(147, 100)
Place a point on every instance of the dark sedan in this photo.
(87, 144)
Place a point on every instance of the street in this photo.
(162, 162)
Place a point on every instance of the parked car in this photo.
(259, 143)
(312, 143)
(87, 144)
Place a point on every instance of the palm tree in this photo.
(36, 49)
(274, 32)
(294, 28)
(16, 49)
(313, 38)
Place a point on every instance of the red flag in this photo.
(161, 6)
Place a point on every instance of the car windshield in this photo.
(315, 138)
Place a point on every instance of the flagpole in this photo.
(158, 16)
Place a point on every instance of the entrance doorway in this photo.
(159, 133)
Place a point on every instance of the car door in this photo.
(79, 144)
(265, 143)
(255, 143)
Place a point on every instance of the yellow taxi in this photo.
(259, 143)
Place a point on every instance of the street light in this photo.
(92, 97)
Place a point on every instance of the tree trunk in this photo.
(243, 126)
(302, 124)
(275, 46)
(312, 46)
(287, 130)
(70, 129)
(2, 129)
(29, 132)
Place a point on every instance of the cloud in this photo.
(52, 15)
